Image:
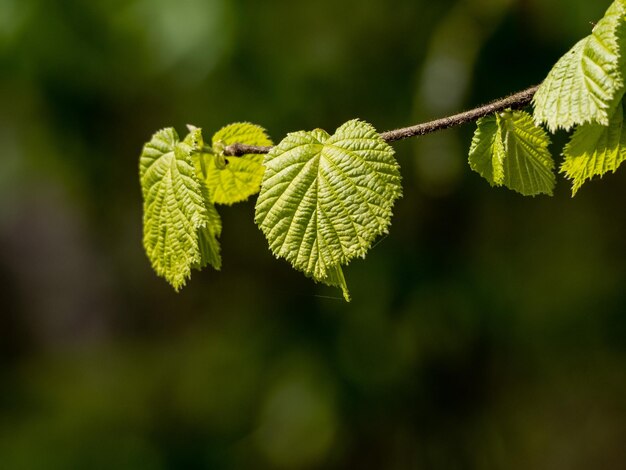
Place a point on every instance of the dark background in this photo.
(487, 331)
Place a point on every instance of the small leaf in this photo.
(324, 199)
(207, 240)
(595, 150)
(207, 236)
(234, 179)
(484, 157)
(175, 212)
(586, 83)
(509, 149)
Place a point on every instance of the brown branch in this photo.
(237, 150)
(515, 101)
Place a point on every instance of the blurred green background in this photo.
(487, 331)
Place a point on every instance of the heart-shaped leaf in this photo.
(233, 179)
(324, 199)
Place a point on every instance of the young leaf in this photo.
(207, 240)
(509, 149)
(595, 150)
(324, 199)
(486, 155)
(176, 217)
(586, 83)
(239, 177)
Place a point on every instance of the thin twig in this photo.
(515, 101)
(237, 150)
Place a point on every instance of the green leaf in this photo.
(486, 155)
(207, 241)
(509, 149)
(179, 233)
(324, 199)
(234, 179)
(586, 83)
(595, 150)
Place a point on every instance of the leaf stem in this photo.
(514, 101)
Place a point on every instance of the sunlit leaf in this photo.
(509, 149)
(207, 240)
(595, 150)
(324, 199)
(586, 83)
(179, 233)
(234, 179)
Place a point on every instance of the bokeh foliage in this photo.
(486, 331)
